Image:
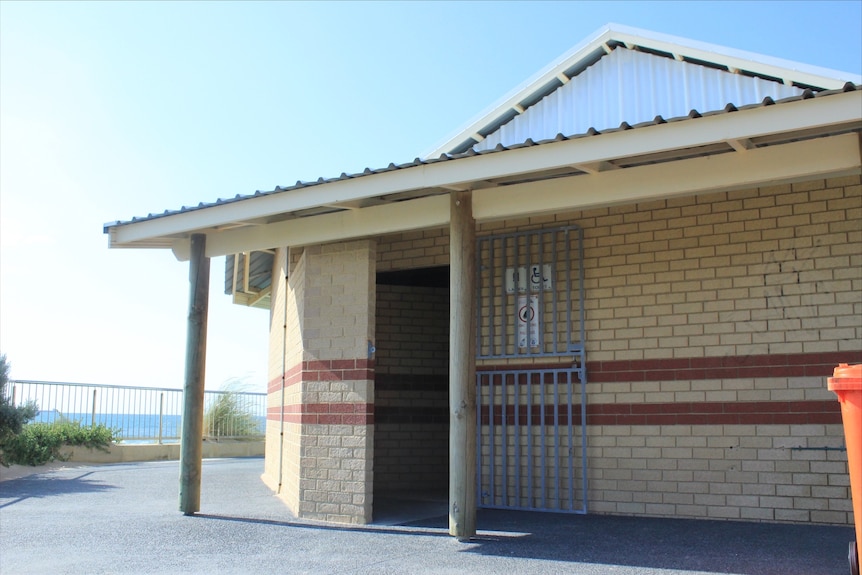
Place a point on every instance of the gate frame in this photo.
(578, 350)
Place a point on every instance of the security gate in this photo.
(531, 414)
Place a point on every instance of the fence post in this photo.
(161, 414)
(93, 415)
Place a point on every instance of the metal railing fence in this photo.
(146, 414)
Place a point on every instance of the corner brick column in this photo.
(328, 403)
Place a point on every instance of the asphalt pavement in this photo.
(124, 518)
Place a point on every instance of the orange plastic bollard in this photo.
(847, 385)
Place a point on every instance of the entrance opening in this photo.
(411, 395)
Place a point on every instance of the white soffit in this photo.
(608, 40)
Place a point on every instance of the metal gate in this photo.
(531, 415)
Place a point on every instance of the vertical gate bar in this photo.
(540, 308)
(504, 429)
(516, 349)
(583, 371)
(569, 292)
(492, 308)
(571, 445)
(544, 445)
(479, 377)
(528, 261)
(530, 465)
(479, 297)
(516, 400)
(581, 296)
(554, 292)
(556, 439)
(582, 377)
(504, 304)
(491, 437)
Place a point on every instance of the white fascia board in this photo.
(827, 111)
(821, 157)
(834, 156)
(721, 55)
(374, 221)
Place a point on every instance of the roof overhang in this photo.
(787, 141)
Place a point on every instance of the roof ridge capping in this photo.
(597, 44)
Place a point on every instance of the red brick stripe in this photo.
(325, 413)
(325, 370)
(681, 413)
(729, 367)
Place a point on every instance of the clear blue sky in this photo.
(114, 110)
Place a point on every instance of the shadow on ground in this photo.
(675, 544)
(49, 485)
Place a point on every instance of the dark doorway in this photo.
(411, 392)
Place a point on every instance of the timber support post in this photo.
(462, 367)
(191, 442)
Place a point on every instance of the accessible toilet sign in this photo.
(538, 276)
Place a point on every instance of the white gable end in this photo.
(634, 87)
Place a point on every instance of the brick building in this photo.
(620, 290)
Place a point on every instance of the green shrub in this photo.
(39, 443)
(226, 417)
(12, 418)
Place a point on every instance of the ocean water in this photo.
(131, 426)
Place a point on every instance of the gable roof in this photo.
(413, 195)
(735, 74)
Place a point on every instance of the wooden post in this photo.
(462, 367)
(191, 442)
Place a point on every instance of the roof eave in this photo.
(589, 152)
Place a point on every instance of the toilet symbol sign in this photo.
(538, 277)
(528, 321)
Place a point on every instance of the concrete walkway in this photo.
(123, 518)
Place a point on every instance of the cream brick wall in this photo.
(751, 272)
(327, 458)
(339, 298)
(774, 272)
(769, 272)
(749, 472)
(412, 250)
(285, 350)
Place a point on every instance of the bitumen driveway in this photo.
(123, 518)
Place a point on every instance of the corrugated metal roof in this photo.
(631, 86)
(500, 147)
(612, 36)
